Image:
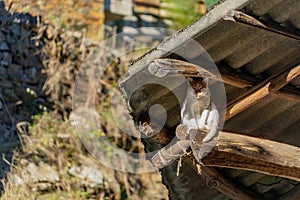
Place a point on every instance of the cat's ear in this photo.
(190, 81)
(208, 81)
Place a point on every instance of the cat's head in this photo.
(200, 86)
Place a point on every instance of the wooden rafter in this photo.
(288, 95)
(234, 78)
(240, 17)
(211, 176)
(260, 91)
(244, 152)
(228, 75)
(237, 151)
(241, 151)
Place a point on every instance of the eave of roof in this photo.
(259, 54)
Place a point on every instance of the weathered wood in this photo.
(152, 132)
(217, 181)
(288, 95)
(228, 75)
(231, 77)
(258, 93)
(167, 66)
(211, 177)
(245, 152)
(236, 79)
(172, 150)
(176, 42)
(240, 17)
(255, 154)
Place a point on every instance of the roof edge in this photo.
(191, 31)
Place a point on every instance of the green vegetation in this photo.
(209, 3)
(182, 13)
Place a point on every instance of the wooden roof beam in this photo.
(255, 92)
(237, 151)
(240, 17)
(233, 78)
(288, 94)
(210, 176)
(262, 90)
(242, 151)
(241, 80)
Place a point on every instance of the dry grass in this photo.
(54, 142)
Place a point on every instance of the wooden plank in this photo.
(169, 67)
(210, 176)
(240, 151)
(255, 154)
(231, 77)
(288, 94)
(259, 92)
(228, 75)
(240, 17)
(235, 78)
